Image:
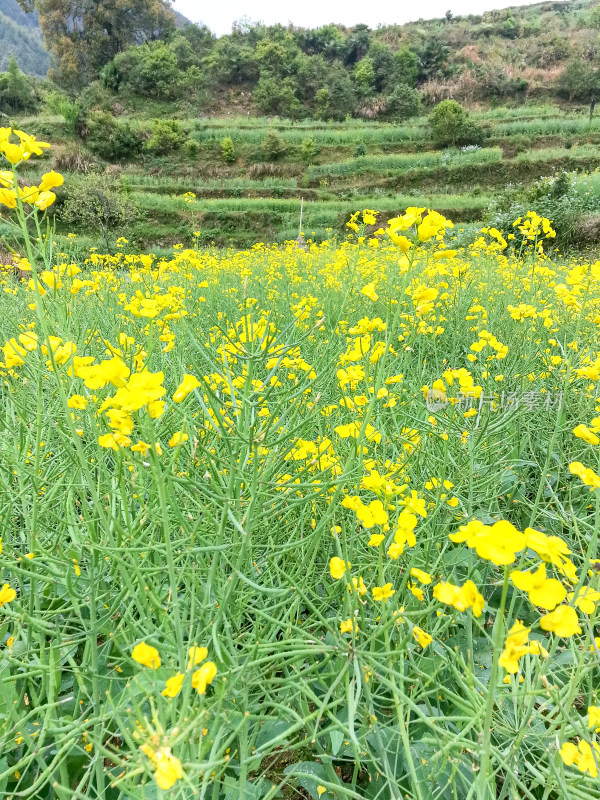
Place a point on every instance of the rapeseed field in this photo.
(298, 521)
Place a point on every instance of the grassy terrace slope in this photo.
(350, 165)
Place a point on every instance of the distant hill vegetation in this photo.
(547, 51)
(20, 35)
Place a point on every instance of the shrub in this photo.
(228, 150)
(322, 100)
(192, 148)
(96, 203)
(451, 125)
(403, 103)
(69, 110)
(94, 97)
(167, 136)
(275, 96)
(73, 158)
(364, 77)
(360, 151)
(554, 197)
(407, 66)
(150, 70)
(111, 139)
(273, 147)
(309, 149)
(579, 80)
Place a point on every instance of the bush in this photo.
(95, 203)
(110, 139)
(275, 96)
(273, 147)
(73, 158)
(402, 104)
(192, 148)
(452, 126)
(150, 70)
(321, 103)
(555, 197)
(364, 77)
(167, 136)
(579, 80)
(94, 97)
(228, 150)
(69, 110)
(309, 149)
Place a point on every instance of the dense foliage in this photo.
(327, 73)
(84, 35)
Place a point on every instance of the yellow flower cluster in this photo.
(39, 197)
(167, 768)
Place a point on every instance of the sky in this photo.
(220, 14)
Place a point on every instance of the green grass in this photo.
(551, 154)
(173, 185)
(557, 126)
(330, 135)
(405, 162)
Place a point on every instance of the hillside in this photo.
(20, 35)
(546, 52)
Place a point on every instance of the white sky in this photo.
(220, 14)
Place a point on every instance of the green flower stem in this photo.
(485, 790)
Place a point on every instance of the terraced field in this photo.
(333, 168)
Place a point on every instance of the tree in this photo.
(326, 41)
(341, 97)
(311, 74)
(151, 70)
(403, 103)
(384, 66)
(232, 61)
(322, 102)
(432, 59)
(579, 81)
(451, 125)
(364, 77)
(275, 96)
(16, 94)
(357, 44)
(95, 204)
(407, 67)
(84, 35)
(275, 57)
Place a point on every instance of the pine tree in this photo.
(16, 94)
